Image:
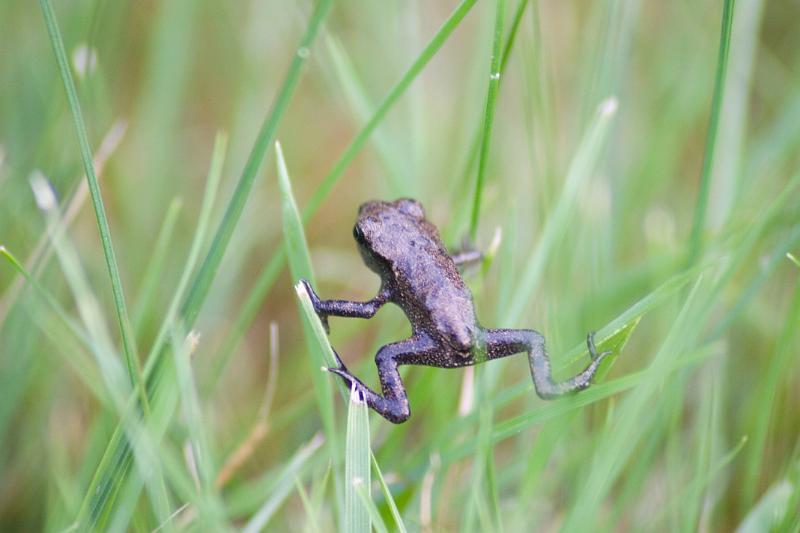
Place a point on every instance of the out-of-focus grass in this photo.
(693, 427)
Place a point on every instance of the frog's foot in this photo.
(593, 349)
(393, 404)
(315, 301)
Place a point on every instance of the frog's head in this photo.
(381, 226)
(402, 206)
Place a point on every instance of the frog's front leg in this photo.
(346, 308)
(504, 342)
(393, 404)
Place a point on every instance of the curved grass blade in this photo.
(311, 518)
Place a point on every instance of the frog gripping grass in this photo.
(418, 275)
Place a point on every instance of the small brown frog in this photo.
(421, 277)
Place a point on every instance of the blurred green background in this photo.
(695, 427)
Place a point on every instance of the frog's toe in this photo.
(315, 302)
(593, 349)
(344, 374)
(339, 362)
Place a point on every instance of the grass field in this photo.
(169, 170)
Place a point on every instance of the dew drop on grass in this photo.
(303, 52)
(495, 76)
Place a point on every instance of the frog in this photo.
(420, 276)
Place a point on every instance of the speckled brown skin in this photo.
(419, 275)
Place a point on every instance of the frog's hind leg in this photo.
(393, 404)
(504, 342)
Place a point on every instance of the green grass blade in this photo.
(698, 224)
(283, 486)
(300, 266)
(398, 519)
(83, 367)
(199, 239)
(579, 172)
(40, 256)
(99, 504)
(118, 452)
(320, 353)
(294, 236)
(208, 270)
(441, 36)
(245, 317)
(356, 466)
(618, 443)
(126, 332)
(347, 76)
(488, 115)
(89, 309)
(702, 481)
(767, 391)
(208, 503)
(483, 460)
(767, 514)
(153, 272)
(327, 358)
(311, 518)
(372, 511)
(117, 386)
(474, 150)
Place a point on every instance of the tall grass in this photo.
(578, 133)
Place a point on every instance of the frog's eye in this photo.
(410, 207)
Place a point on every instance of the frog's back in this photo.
(399, 243)
(428, 280)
